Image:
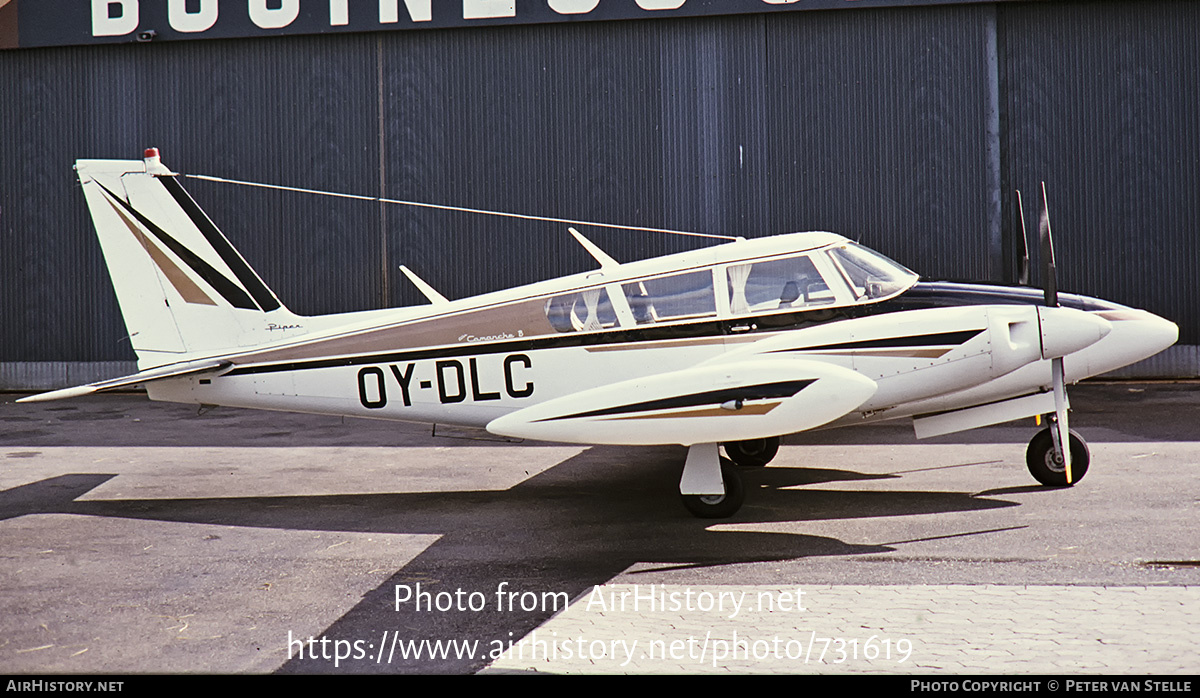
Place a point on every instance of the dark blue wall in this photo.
(907, 128)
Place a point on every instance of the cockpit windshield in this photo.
(870, 274)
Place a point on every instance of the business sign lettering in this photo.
(31, 23)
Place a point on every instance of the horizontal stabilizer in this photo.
(705, 404)
(155, 374)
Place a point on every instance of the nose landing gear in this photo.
(1047, 466)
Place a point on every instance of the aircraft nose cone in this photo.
(1066, 330)
(1153, 332)
(1136, 335)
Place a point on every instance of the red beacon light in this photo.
(153, 164)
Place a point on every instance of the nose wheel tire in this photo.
(1051, 471)
(719, 506)
(754, 453)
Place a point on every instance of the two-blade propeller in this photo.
(1059, 431)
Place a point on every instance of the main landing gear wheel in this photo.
(719, 506)
(1051, 471)
(754, 453)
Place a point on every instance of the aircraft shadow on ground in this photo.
(573, 526)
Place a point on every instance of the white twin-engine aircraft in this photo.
(733, 345)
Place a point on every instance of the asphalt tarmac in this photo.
(148, 537)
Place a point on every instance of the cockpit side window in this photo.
(760, 287)
(670, 298)
(583, 311)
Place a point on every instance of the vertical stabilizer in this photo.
(184, 291)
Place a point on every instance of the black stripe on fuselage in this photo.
(229, 290)
(261, 294)
(925, 295)
(711, 397)
(920, 340)
(948, 294)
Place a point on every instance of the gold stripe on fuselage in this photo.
(898, 352)
(762, 408)
(672, 343)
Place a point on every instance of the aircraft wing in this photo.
(705, 404)
(147, 376)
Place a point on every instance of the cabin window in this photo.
(870, 274)
(670, 298)
(776, 284)
(588, 310)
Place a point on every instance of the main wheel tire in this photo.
(1048, 470)
(754, 453)
(719, 506)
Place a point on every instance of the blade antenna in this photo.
(606, 262)
(426, 290)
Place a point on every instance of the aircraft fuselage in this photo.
(934, 347)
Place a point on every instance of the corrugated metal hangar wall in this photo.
(906, 128)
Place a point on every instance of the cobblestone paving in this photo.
(975, 629)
